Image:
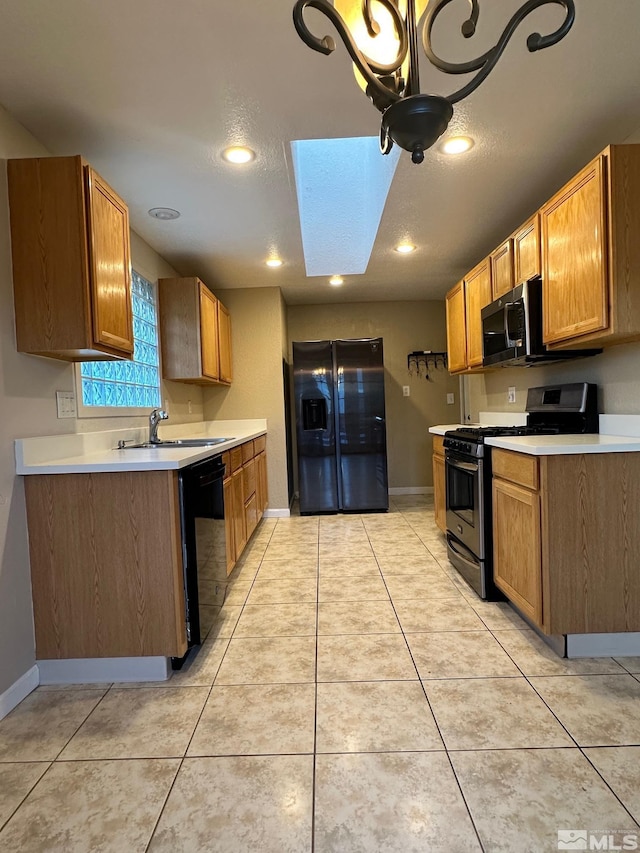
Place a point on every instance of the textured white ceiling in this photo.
(150, 91)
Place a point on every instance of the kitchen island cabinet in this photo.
(567, 539)
(106, 555)
(106, 565)
(71, 261)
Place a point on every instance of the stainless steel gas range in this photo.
(550, 409)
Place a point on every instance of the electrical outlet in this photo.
(189, 407)
(406, 391)
(511, 394)
(66, 404)
(451, 399)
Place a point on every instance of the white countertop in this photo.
(85, 453)
(557, 445)
(618, 434)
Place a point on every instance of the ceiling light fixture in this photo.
(238, 154)
(336, 280)
(457, 145)
(274, 262)
(384, 50)
(165, 213)
(405, 248)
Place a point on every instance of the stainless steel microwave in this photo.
(512, 330)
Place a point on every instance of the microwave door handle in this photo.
(512, 343)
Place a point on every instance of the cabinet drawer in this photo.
(260, 444)
(516, 468)
(249, 479)
(236, 458)
(438, 445)
(247, 451)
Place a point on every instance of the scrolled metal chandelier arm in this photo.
(367, 66)
(484, 64)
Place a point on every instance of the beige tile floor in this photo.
(352, 696)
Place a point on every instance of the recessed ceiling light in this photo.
(238, 154)
(457, 145)
(405, 248)
(164, 213)
(336, 280)
(274, 262)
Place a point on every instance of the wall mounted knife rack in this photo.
(423, 361)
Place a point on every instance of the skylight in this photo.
(342, 187)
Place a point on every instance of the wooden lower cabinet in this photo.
(566, 539)
(237, 504)
(439, 484)
(106, 565)
(262, 496)
(516, 547)
(229, 526)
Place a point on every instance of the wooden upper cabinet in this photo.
(224, 334)
(526, 251)
(456, 329)
(574, 239)
(192, 348)
(591, 254)
(110, 265)
(71, 261)
(502, 269)
(210, 353)
(477, 285)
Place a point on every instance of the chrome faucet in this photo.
(155, 417)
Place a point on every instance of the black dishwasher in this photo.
(204, 549)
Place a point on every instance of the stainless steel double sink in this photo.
(177, 443)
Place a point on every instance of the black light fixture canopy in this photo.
(410, 119)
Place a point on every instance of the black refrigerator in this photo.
(340, 426)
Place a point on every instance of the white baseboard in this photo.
(103, 670)
(276, 513)
(18, 691)
(603, 645)
(411, 490)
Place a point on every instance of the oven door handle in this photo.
(463, 466)
(458, 553)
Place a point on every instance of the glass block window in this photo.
(129, 383)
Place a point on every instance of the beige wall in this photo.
(258, 327)
(28, 406)
(404, 327)
(616, 372)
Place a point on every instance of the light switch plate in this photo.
(450, 399)
(406, 391)
(66, 404)
(511, 394)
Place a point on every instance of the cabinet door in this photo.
(109, 257)
(239, 524)
(224, 337)
(251, 515)
(439, 492)
(456, 329)
(209, 333)
(261, 483)
(477, 287)
(574, 257)
(502, 269)
(229, 525)
(526, 251)
(517, 556)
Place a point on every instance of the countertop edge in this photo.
(114, 461)
(566, 445)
